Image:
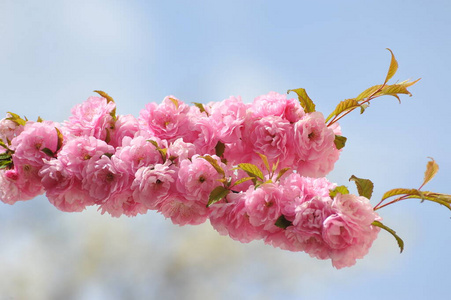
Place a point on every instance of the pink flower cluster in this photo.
(173, 158)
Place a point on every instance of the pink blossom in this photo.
(306, 232)
(231, 218)
(206, 136)
(357, 208)
(271, 136)
(168, 120)
(227, 118)
(152, 185)
(263, 205)
(21, 183)
(91, 118)
(9, 129)
(122, 203)
(125, 125)
(104, 177)
(10, 191)
(315, 148)
(348, 231)
(197, 178)
(275, 104)
(182, 211)
(348, 240)
(36, 136)
(179, 150)
(138, 152)
(77, 152)
(63, 189)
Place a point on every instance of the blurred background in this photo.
(53, 54)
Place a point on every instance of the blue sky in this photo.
(53, 54)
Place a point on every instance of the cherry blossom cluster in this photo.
(193, 163)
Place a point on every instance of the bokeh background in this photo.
(53, 54)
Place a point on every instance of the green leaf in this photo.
(364, 186)
(2, 144)
(281, 173)
(60, 139)
(217, 194)
(251, 170)
(154, 143)
(306, 103)
(397, 88)
(392, 232)
(340, 141)
(400, 191)
(200, 106)
(40, 120)
(363, 107)
(163, 152)
(104, 95)
(274, 166)
(4, 164)
(244, 179)
(48, 152)
(343, 106)
(219, 149)
(175, 101)
(17, 119)
(5, 155)
(442, 199)
(431, 170)
(282, 222)
(393, 67)
(214, 163)
(265, 161)
(368, 92)
(339, 189)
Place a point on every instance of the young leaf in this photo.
(343, 106)
(214, 163)
(40, 120)
(282, 222)
(397, 88)
(441, 199)
(364, 186)
(219, 149)
(175, 101)
(200, 106)
(265, 161)
(251, 170)
(363, 107)
(217, 194)
(306, 103)
(154, 143)
(108, 100)
(393, 67)
(163, 152)
(2, 144)
(399, 191)
(392, 232)
(48, 152)
(104, 95)
(431, 170)
(244, 179)
(281, 172)
(60, 139)
(340, 141)
(5, 155)
(274, 166)
(16, 119)
(339, 189)
(368, 92)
